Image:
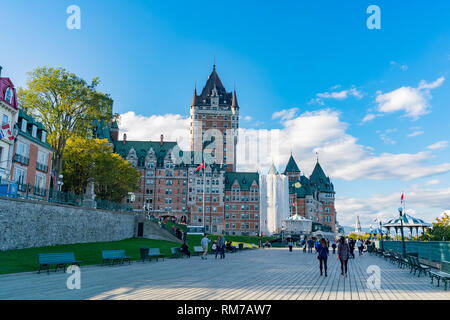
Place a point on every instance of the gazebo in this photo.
(408, 222)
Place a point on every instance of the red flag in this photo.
(202, 166)
(401, 200)
(6, 129)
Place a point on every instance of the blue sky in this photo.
(294, 55)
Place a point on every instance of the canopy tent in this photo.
(408, 222)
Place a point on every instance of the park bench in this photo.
(418, 266)
(398, 258)
(443, 274)
(198, 250)
(155, 253)
(113, 256)
(387, 255)
(176, 253)
(57, 259)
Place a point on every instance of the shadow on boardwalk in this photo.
(258, 274)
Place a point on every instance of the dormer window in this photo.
(44, 136)
(34, 131)
(24, 125)
(8, 95)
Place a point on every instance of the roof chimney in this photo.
(161, 142)
(124, 138)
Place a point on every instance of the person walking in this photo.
(343, 255)
(204, 243)
(334, 247)
(360, 246)
(322, 250)
(351, 244)
(217, 242)
(290, 244)
(310, 245)
(222, 247)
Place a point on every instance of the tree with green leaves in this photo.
(440, 230)
(86, 159)
(66, 105)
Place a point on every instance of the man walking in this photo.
(222, 247)
(204, 243)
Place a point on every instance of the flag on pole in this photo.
(202, 166)
(401, 199)
(7, 131)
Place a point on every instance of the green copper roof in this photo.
(142, 148)
(319, 178)
(245, 179)
(304, 189)
(114, 125)
(27, 134)
(291, 166)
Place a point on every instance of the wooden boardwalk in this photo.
(254, 275)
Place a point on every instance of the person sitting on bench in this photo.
(184, 248)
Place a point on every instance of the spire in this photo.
(194, 98)
(291, 166)
(234, 103)
(272, 169)
(357, 225)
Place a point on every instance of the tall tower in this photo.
(357, 225)
(215, 123)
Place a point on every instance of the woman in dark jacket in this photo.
(322, 250)
(343, 255)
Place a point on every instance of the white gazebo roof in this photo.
(408, 222)
(297, 217)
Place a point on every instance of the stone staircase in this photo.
(152, 230)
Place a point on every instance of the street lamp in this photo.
(381, 235)
(400, 210)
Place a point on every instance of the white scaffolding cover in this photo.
(274, 202)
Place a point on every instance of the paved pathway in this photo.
(254, 275)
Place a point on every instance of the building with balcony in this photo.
(32, 157)
(8, 117)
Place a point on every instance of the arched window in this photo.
(8, 95)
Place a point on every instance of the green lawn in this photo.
(22, 260)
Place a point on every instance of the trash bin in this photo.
(144, 253)
(241, 246)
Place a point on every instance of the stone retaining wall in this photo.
(27, 224)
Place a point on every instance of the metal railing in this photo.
(21, 159)
(41, 167)
(17, 190)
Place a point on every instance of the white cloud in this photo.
(432, 182)
(319, 131)
(438, 145)
(285, 114)
(401, 66)
(369, 117)
(413, 101)
(247, 118)
(174, 127)
(340, 95)
(415, 133)
(337, 95)
(423, 203)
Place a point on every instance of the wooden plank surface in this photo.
(272, 274)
